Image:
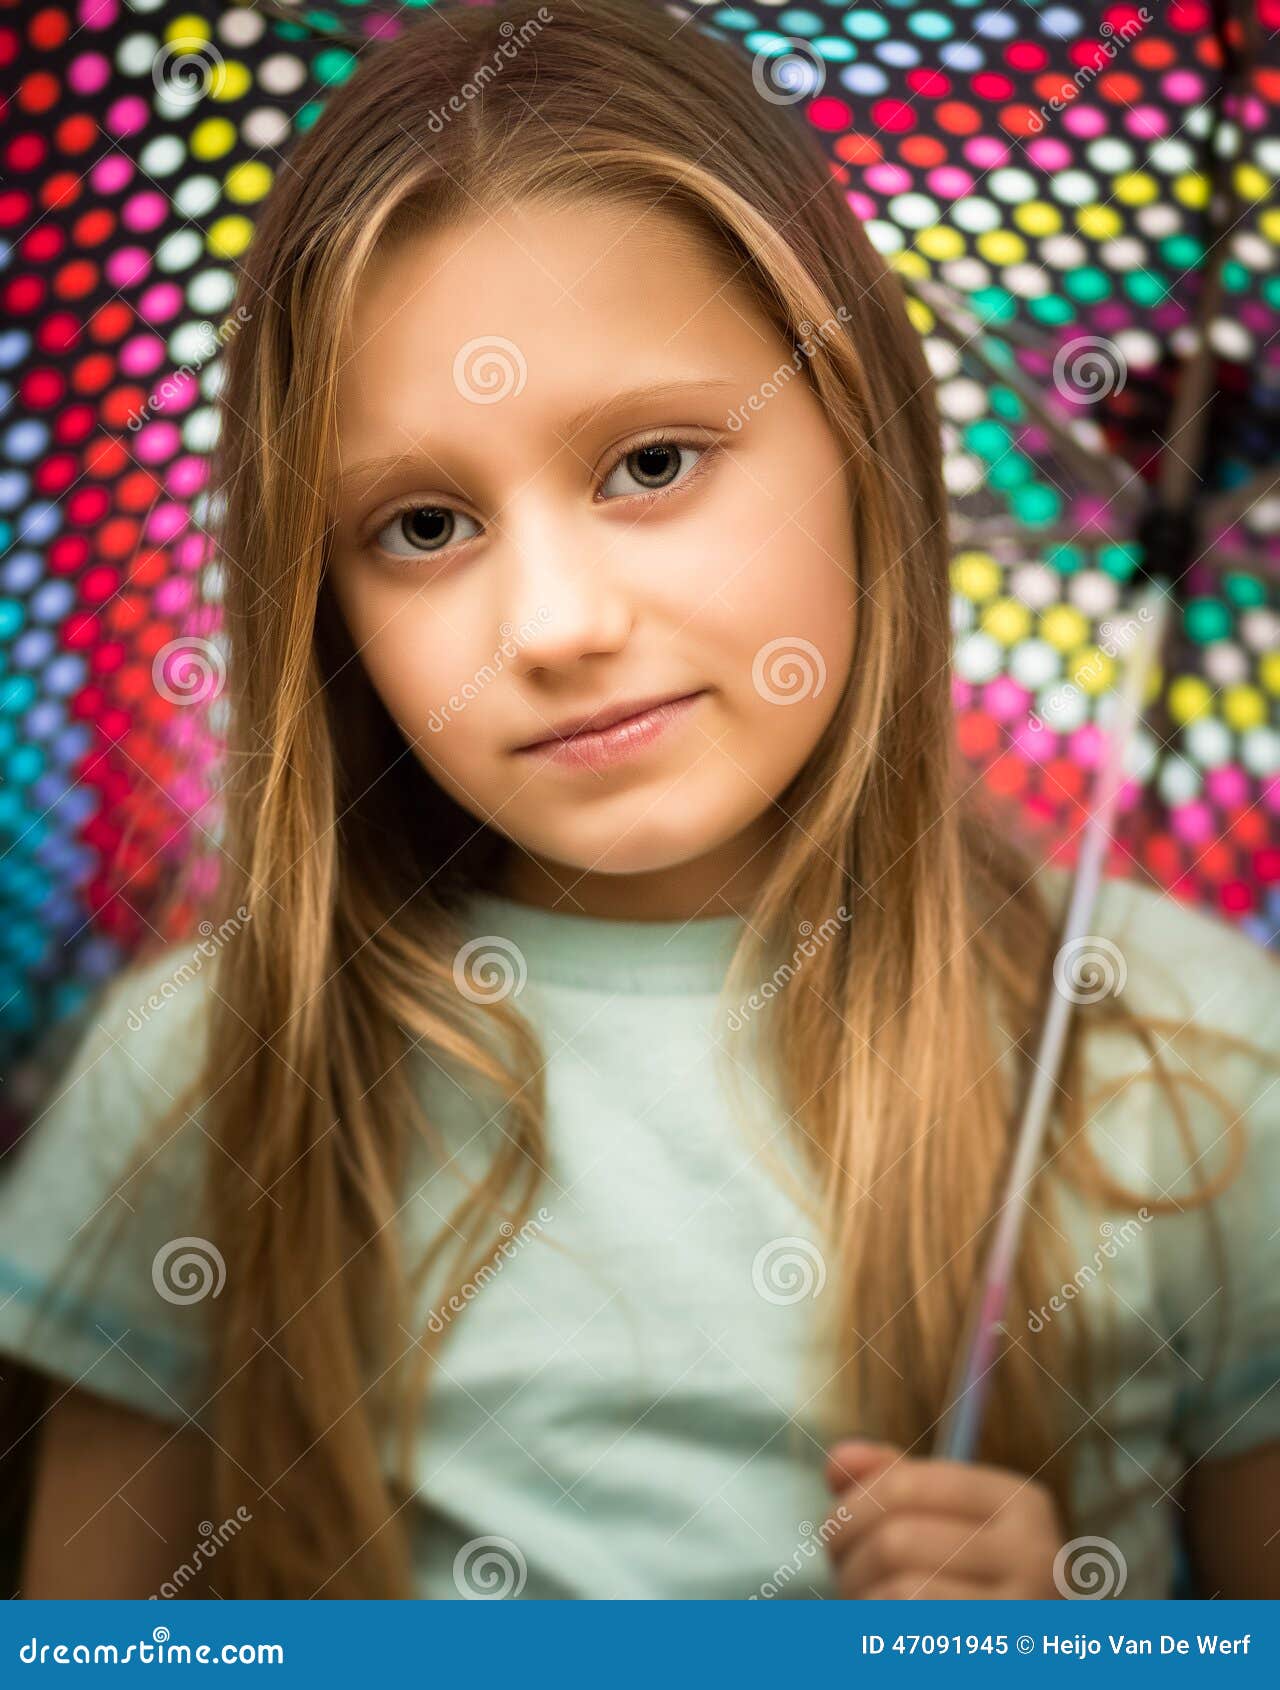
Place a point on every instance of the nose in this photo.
(563, 597)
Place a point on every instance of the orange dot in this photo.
(48, 28)
(38, 92)
(93, 373)
(111, 322)
(62, 189)
(75, 134)
(76, 279)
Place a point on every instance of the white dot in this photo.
(1064, 708)
(265, 127)
(1094, 592)
(1260, 751)
(282, 73)
(1036, 585)
(1178, 781)
(1260, 628)
(242, 27)
(978, 657)
(1034, 663)
(1208, 741)
(162, 156)
(1225, 664)
(136, 54)
(197, 195)
(179, 251)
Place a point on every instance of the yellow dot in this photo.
(230, 81)
(940, 244)
(910, 263)
(1190, 697)
(1092, 670)
(212, 138)
(1192, 189)
(1136, 187)
(1006, 620)
(975, 575)
(923, 320)
(1099, 222)
(1269, 671)
(188, 27)
(1002, 246)
(1244, 707)
(1269, 226)
(1251, 184)
(1037, 217)
(248, 182)
(229, 237)
(1064, 627)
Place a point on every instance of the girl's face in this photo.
(549, 507)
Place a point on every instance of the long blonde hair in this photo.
(883, 1051)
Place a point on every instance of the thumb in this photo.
(856, 1460)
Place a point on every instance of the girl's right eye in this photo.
(422, 530)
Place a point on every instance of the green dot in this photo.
(1183, 252)
(1118, 561)
(1087, 285)
(1065, 559)
(1234, 276)
(307, 115)
(988, 439)
(1244, 590)
(1053, 311)
(334, 64)
(1206, 620)
(1037, 504)
(1007, 404)
(1144, 288)
(1013, 470)
(994, 305)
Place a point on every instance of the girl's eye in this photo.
(651, 468)
(423, 529)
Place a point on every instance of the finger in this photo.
(855, 1459)
(945, 1487)
(922, 1543)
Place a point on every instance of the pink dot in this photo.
(98, 14)
(156, 443)
(986, 152)
(88, 73)
(192, 551)
(1270, 793)
(160, 302)
(167, 520)
(141, 354)
(1085, 746)
(1183, 87)
(173, 597)
(112, 173)
(127, 116)
(127, 267)
(1193, 823)
(1034, 740)
(961, 693)
(887, 179)
(1005, 699)
(186, 477)
(1049, 154)
(144, 211)
(1084, 120)
(949, 182)
(1227, 786)
(1149, 123)
(1127, 794)
(863, 207)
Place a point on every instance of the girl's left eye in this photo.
(651, 468)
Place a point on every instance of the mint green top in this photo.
(626, 1406)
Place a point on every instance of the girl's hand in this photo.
(905, 1528)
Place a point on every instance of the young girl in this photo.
(564, 1167)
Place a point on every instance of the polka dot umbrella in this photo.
(1038, 176)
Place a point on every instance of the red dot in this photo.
(1235, 897)
(67, 554)
(98, 584)
(1026, 56)
(990, 85)
(1266, 864)
(73, 424)
(930, 84)
(38, 92)
(26, 152)
(61, 190)
(15, 207)
(43, 388)
(94, 227)
(76, 134)
(894, 117)
(55, 474)
(58, 333)
(43, 244)
(122, 403)
(79, 631)
(111, 322)
(93, 373)
(87, 506)
(48, 28)
(829, 115)
(104, 457)
(117, 539)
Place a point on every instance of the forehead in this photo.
(556, 298)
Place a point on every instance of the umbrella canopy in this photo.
(1039, 180)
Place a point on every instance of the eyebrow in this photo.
(372, 469)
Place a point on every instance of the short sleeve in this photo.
(1217, 1305)
(104, 1269)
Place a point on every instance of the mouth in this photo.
(610, 735)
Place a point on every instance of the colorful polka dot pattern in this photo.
(1044, 162)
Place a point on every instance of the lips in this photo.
(606, 717)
